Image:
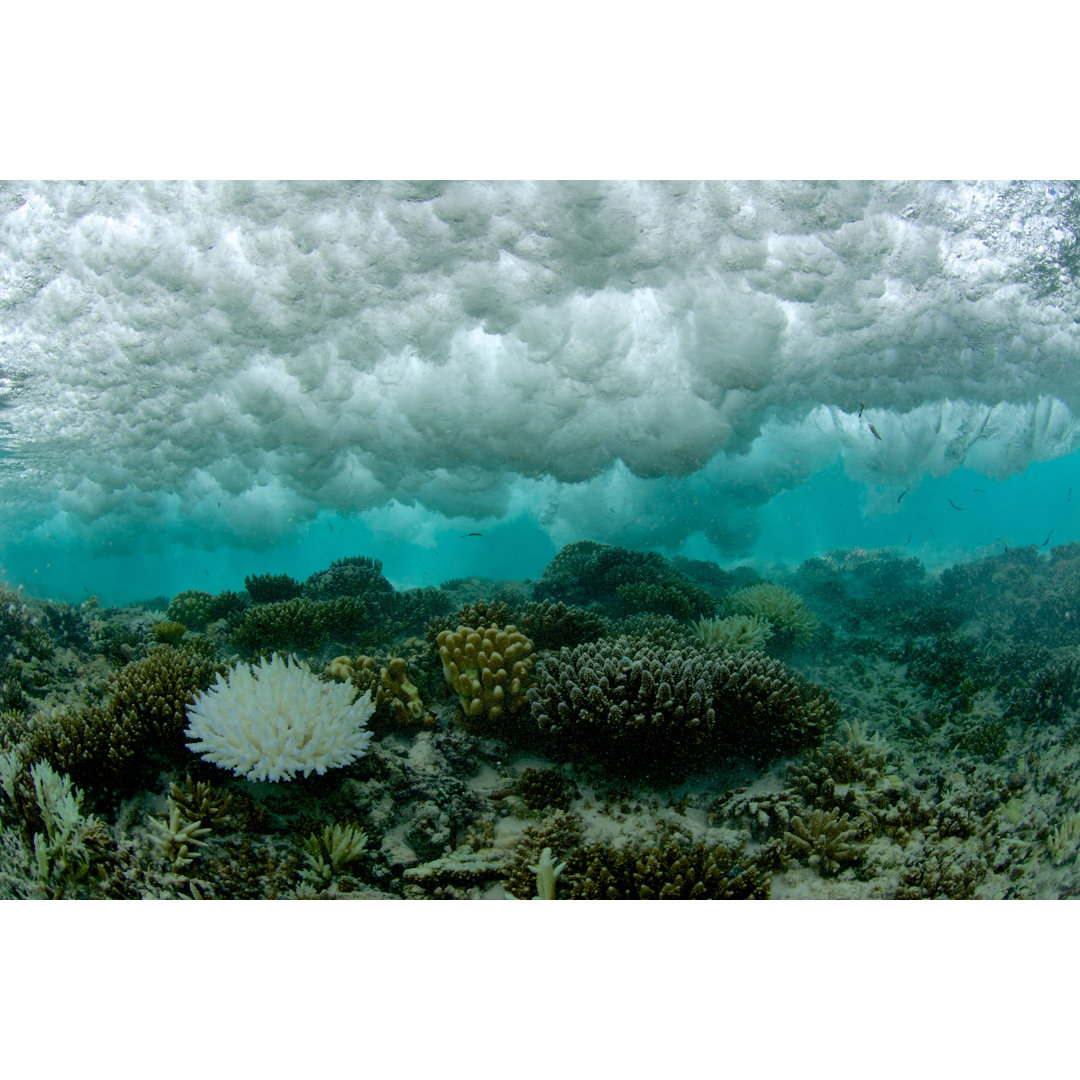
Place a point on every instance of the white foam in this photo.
(221, 362)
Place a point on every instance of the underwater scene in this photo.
(539, 540)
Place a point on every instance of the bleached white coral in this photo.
(275, 720)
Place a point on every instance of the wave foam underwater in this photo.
(209, 369)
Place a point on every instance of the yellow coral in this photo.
(489, 668)
(402, 695)
(341, 668)
(390, 687)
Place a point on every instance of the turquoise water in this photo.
(723, 529)
(205, 380)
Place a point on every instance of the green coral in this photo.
(192, 607)
(64, 851)
(109, 746)
(270, 588)
(329, 852)
(301, 624)
(734, 632)
(652, 709)
(674, 869)
(827, 840)
(786, 611)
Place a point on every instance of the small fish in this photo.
(908, 540)
(329, 526)
(205, 571)
(901, 495)
(873, 431)
(979, 491)
(1069, 499)
(471, 534)
(861, 407)
(954, 506)
(1047, 540)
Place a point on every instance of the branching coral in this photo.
(301, 624)
(646, 707)
(270, 588)
(488, 668)
(328, 852)
(178, 837)
(826, 839)
(1064, 839)
(64, 851)
(275, 720)
(673, 869)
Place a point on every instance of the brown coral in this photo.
(489, 669)
(671, 870)
(643, 705)
(826, 839)
(392, 692)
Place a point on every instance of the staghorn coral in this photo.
(478, 613)
(109, 748)
(200, 801)
(167, 632)
(646, 707)
(66, 848)
(787, 612)
(152, 695)
(559, 833)
(540, 788)
(826, 839)
(585, 571)
(673, 869)
(489, 669)
(329, 852)
(356, 576)
(1064, 839)
(677, 598)
(946, 872)
(97, 749)
(178, 837)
